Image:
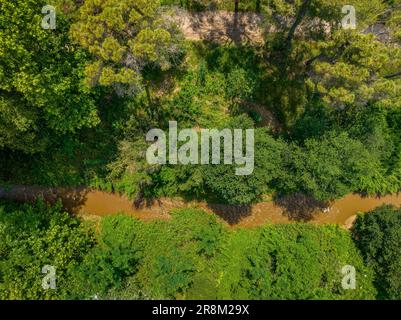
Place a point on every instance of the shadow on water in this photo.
(153, 205)
(232, 214)
(72, 199)
(300, 207)
(143, 202)
(297, 207)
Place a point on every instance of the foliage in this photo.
(124, 39)
(114, 257)
(311, 56)
(294, 261)
(358, 75)
(330, 166)
(41, 92)
(378, 237)
(193, 256)
(33, 237)
(75, 106)
(222, 181)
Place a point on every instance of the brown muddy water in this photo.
(94, 203)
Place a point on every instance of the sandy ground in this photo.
(244, 27)
(221, 26)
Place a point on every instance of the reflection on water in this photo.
(295, 208)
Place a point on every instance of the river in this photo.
(87, 202)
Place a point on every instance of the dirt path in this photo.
(243, 27)
(221, 26)
(83, 201)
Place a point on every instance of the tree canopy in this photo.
(41, 75)
(124, 38)
(377, 235)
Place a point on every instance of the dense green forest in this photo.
(74, 111)
(77, 100)
(193, 256)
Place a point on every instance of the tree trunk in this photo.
(394, 75)
(300, 16)
(147, 89)
(236, 6)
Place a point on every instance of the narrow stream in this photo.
(84, 201)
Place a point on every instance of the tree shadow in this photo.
(301, 207)
(222, 26)
(72, 199)
(143, 202)
(232, 214)
(157, 207)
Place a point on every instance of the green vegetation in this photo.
(76, 103)
(40, 75)
(193, 256)
(35, 236)
(378, 236)
(335, 97)
(190, 257)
